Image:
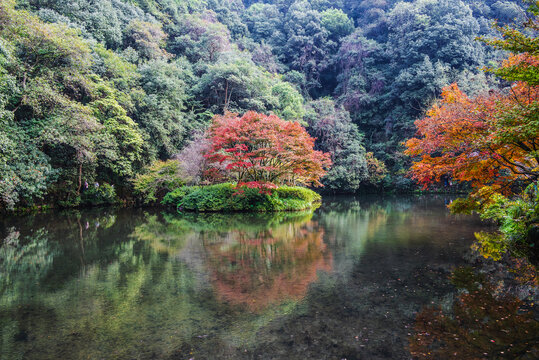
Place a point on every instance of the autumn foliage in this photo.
(487, 140)
(491, 140)
(262, 149)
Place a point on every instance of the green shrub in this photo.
(227, 198)
(176, 196)
(208, 198)
(517, 218)
(159, 179)
(103, 194)
(287, 192)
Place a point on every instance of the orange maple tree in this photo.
(263, 150)
(490, 140)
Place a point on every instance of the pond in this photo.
(343, 282)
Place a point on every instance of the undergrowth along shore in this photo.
(228, 197)
(101, 200)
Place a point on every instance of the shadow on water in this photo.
(343, 282)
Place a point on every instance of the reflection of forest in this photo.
(37, 251)
(75, 286)
(350, 225)
(129, 283)
(134, 284)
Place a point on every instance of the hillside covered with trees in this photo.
(95, 92)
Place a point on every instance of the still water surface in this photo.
(344, 282)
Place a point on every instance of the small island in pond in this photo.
(228, 197)
(249, 163)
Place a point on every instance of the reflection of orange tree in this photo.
(484, 325)
(260, 268)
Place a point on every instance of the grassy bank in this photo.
(227, 198)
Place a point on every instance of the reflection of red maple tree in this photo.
(269, 267)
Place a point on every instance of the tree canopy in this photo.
(491, 139)
(266, 150)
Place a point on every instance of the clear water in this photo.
(344, 282)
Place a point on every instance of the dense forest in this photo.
(95, 92)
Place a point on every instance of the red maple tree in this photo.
(264, 150)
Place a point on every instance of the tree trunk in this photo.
(80, 179)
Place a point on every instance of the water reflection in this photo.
(342, 282)
(26, 260)
(251, 260)
(483, 323)
(259, 267)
